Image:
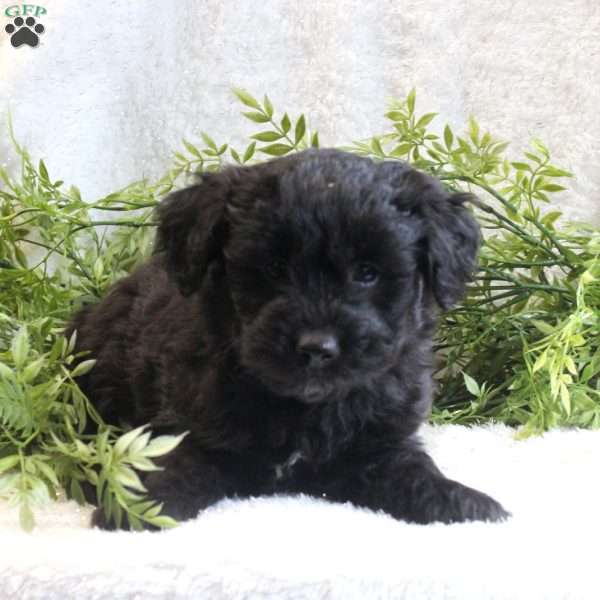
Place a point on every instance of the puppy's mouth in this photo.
(306, 388)
(315, 391)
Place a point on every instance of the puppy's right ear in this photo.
(192, 229)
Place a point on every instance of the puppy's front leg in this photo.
(407, 484)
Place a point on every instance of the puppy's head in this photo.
(333, 262)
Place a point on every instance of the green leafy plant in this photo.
(45, 446)
(522, 349)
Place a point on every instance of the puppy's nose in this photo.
(319, 347)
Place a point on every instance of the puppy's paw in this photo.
(462, 503)
(447, 501)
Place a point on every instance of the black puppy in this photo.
(286, 322)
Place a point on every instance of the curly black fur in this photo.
(286, 321)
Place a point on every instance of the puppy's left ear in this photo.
(452, 238)
(192, 229)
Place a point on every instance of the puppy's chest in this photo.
(282, 451)
(296, 456)
(281, 471)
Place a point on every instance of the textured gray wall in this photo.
(115, 85)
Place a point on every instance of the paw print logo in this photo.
(24, 32)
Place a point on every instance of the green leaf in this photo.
(9, 462)
(552, 187)
(570, 364)
(565, 398)
(162, 445)
(31, 371)
(47, 471)
(75, 193)
(246, 98)
(142, 464)
(26, 518)
(300, 130)
(153, 511)
(268, 106)
(21, 258)
(401, 150)
(286, 124)
(471, 384)
(314, 142)
(139, 443)
(425, 120)
(376, 146)
(5, 178)
(540, 147)
(499, 147)
(98, 269)
(249, 152)
(91, 476)
(448, 137)
(434, 155)
(145, 506)
(276, 149)
(163, 522)
(127, 439)
(267, 136)
(542, 326)
(134, 522)
(83, 367)
(474, 131)
(180, 157)
(19, 347)
(550, 218)
(43, 171)
(396, 115)
(550, 171)
(592, 368)
(76, 492)
(6, 371)
(540, 362)
(577, 340)
(191, 149)
(129, 478)
(209, 141)
(533, 157)
(256, 117)
(70, 346)
(410, 101)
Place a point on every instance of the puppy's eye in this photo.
(365, 274)
(275, 268)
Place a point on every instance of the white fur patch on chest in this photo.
(283, 469)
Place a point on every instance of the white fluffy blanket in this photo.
(300, 548)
